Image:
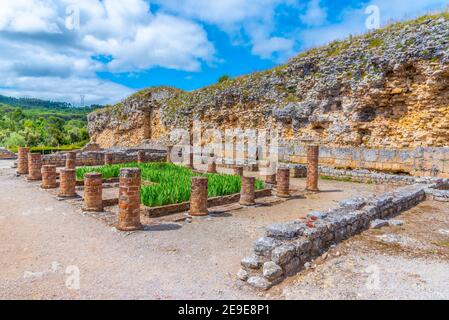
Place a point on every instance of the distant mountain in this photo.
(33, 103)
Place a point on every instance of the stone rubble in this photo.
(289, 247)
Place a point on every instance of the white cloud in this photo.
(315, 14)
(96, 91)
(353, 19)
(125, 36)
(254, 19)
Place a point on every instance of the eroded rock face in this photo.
(389, 88)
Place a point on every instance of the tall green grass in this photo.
(171, 182)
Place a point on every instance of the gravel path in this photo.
(45, 242)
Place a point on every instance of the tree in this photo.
(14, 140)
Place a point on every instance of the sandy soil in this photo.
(45, 240)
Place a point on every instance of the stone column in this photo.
(297, 172)
(108, 159)
(198, 197)
(67, 183)
(129, 200)
(190, 163)
(283, 183)
(169, 151)
(248, 193)
(238, 171)
(93, 192)
(70, 160)
(34, 166)
(312, 168)
(22, 161)
(270, 179)
(49, 177)
(212, 166)
(141, 156)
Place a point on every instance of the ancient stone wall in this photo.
(6, 154)
(97, 158)
(287, 247)
(416, 162)
(386, 89)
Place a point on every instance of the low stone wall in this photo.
(287, 247)
(417, 162)
(365, 176)
(6, 154)
(156, 212)
(97, 158)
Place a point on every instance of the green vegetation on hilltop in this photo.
(44, 127)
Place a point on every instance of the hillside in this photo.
(41, 123)
(387, 88)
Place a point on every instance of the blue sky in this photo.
(106, 49)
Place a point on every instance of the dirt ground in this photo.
(45, 242)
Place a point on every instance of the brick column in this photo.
(34, 166)
(247, 194)
(22, 161)
(108, 159)
(270, 179)
(93, 192)
(67, 183)
(238, 171)
(312, 168)
(169, 151)
(297, 172)
(129, 200)
(49, 177)
(70, 160)
(283, 183)
(212, 166)
(198, 197)
(141, 156)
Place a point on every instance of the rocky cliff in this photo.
(387, 88)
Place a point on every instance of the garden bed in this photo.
(170, 183)
(157, 212)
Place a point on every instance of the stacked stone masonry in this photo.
(287, 247)
(129, 200)
(34, 166)
(248, 194)
(93, 192)
(49, 177)
(100, 158)
(417, 162)
(67, 183)
(198, 198)
(22, 162)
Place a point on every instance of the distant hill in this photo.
(41, 123)
(388, 88)
(33, 102)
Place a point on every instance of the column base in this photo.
(138, 227)
(92, 209)
(199, 214)
(49, 187)
(33, 180)
(283, 195)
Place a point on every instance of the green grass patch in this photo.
(171, 183)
